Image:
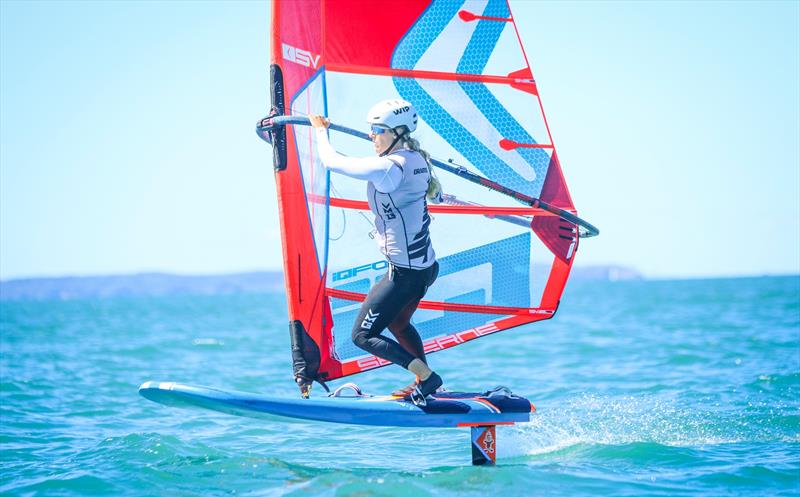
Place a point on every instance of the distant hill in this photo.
(156, 284)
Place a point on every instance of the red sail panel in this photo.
(560, 236)
(359, 34)
(296, 56)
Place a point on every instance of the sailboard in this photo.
(351, 406)
(507, 233)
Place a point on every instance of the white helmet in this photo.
(393, 113)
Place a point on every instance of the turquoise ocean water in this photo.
(642, 388)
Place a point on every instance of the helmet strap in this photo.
(397, 138)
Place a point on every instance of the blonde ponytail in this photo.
(434, 192)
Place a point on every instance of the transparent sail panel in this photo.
(315, 177)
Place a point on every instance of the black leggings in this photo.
(391, 303)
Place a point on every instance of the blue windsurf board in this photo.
(443, 409)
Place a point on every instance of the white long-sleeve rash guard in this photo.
(384, 174)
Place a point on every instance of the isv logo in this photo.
(300, 56)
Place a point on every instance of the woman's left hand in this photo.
(318, 122)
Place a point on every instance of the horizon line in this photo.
(633, 270)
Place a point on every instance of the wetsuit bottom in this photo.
(390, 303)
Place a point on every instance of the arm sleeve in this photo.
(384, 174)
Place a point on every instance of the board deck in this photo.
(444, 409)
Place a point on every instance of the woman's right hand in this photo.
(318, 122)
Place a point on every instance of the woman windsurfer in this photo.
(399, 181)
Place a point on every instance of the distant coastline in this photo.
(164, 284)
(143, 284)
(160, 284)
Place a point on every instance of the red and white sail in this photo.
(462, 65)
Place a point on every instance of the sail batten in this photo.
(447, 306)
(508, 79)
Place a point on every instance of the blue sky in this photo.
(127, 143)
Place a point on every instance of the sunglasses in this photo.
(377, 129)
